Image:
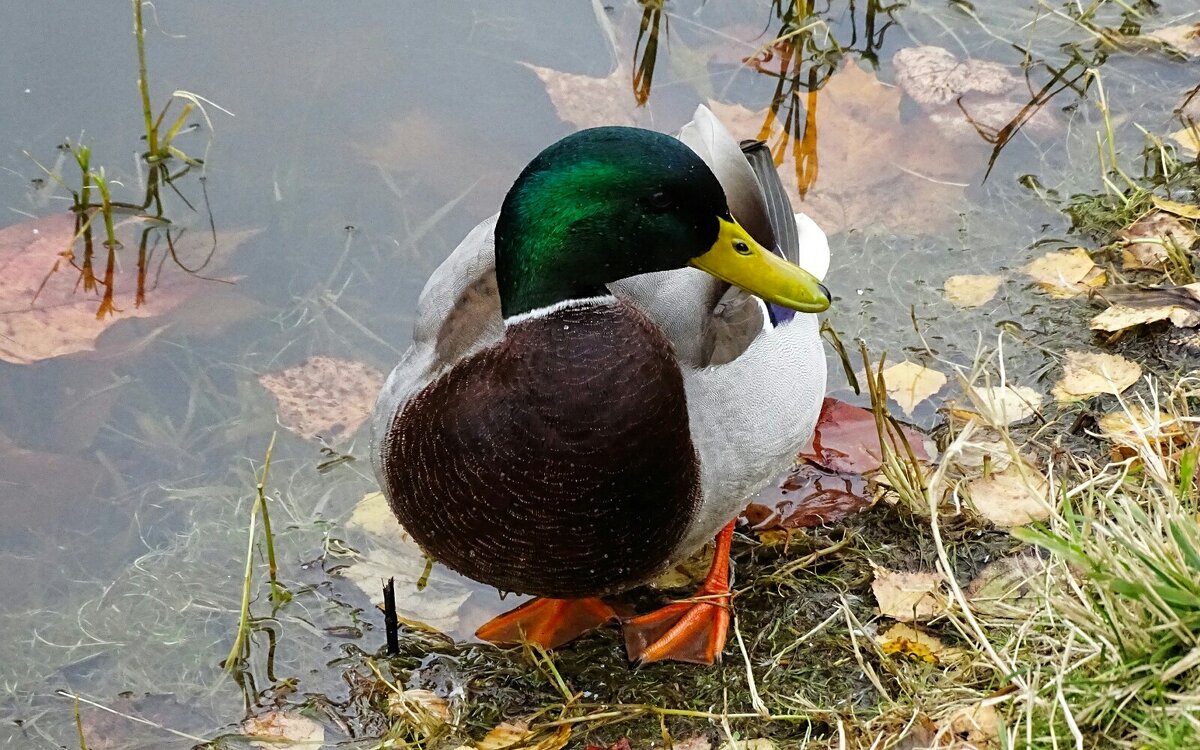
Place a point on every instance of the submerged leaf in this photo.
(285, 730)
(857, 163)
(966, 98)
(54, 297)
(846, 440)
(324, 397)
(586, 101)
(1087, 374)
(427, 596)
(971, 290)
(1184, 37)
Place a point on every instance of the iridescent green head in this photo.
(608, 203)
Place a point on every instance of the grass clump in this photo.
(1125, 607)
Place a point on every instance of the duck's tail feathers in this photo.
(779, 213)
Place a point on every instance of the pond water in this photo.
(361, 142)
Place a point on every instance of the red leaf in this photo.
(846, 440)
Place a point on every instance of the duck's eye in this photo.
(661, 200)
(741, 248)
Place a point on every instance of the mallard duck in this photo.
(590, 396)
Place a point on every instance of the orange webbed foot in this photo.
(693, 630)
(547, 622)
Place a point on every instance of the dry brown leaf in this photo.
(1008, 587)
(908, 384)
(1148, 236)
(1184, 37)
(1013, 497)
(47, 311)
(1130, 431)
(1005, 404)
(1087, 374)
(758, 743)
(971, 290)
(324, 397)
(871, 168)
(284, 730)
(516, 735)
(1066, 274)
(978, 725)
(1119, 317)
(1133, 305)
(904, 640)
(908, 597)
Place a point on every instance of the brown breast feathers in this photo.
(557, 462)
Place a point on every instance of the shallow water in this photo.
(364, 142)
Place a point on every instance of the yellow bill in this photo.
(738, 259)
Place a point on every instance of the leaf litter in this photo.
(1147, 239)
(1134, 305)
(916, 596)
(1088, 374)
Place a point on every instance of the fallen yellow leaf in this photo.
(908, 384)
(1186, 210)
(905, 640)
(908, 597)
(971, 290)
(1066, 274)
(1188, 139)
(1088, 374)
(54, 300)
